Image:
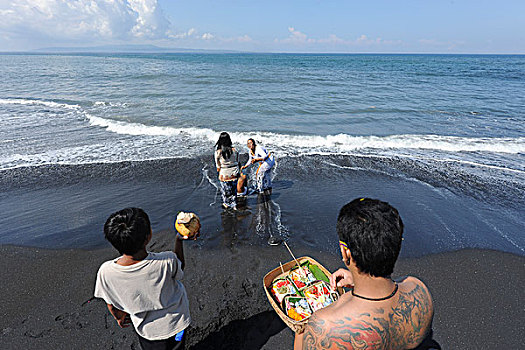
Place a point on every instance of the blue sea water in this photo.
(453, 122)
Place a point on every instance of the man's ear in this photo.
(347, 256)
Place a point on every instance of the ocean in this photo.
(441, 137)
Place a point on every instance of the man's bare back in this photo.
(400, 322)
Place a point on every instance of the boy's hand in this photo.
(192, 237)
(120, 316)
(124, 320)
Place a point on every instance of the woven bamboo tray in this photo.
(296, 326)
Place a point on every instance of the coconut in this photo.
(187, 224)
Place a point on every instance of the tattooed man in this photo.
(378, 312)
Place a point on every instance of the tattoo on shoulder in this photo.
(396, 328)
(410, 317)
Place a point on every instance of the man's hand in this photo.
(120, 316)
(341, 278)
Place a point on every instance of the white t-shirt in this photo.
(261, 152)
(150, 291)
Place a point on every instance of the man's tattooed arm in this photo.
(410, 320)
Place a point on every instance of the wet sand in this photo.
(47, 297)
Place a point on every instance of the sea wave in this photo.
(137, 129)
(21, 101)
(346, 143)
(333, 143)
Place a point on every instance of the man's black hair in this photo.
(373, 231)
(127, 230)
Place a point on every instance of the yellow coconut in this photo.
(187, 224)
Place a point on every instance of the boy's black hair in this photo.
(127, 230)
(373, 231)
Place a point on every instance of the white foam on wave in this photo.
(438, 160)
(331, 143)
(20, 101)
(347, 143)
(138, 129)
(92, 154)
(476, 164)
(111, 104)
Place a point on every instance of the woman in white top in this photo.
(227, 162)
(266, 161)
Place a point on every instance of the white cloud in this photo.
(332, 39)
(51, 22)
(238, 39)
(300, 39)
(296, 37)
(244, 39)
(190, 33)
(63, 20)
(194, 35)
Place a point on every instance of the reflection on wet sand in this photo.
(264, 223)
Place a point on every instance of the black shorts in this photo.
(164, 344)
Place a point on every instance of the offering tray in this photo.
(283, 272)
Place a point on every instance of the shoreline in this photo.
(48, 303)
(439, 215)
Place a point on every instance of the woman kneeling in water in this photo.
(266, 163)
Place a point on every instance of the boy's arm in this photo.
(178, 250)
(122, 317)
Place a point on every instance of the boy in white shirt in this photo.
(143, 288)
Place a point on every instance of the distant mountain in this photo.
(126, 49)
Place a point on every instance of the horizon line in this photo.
(226, 51)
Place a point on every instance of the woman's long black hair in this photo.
(254, 144)
(225, 145)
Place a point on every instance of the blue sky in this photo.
(432, 26)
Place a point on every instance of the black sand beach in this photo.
(59, 210)
(47, 297)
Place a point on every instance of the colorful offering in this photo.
(319, 295)
(282, 287)
(302, 276)
(296, 292)
(297, 308)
